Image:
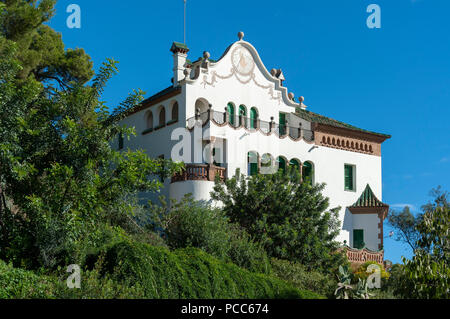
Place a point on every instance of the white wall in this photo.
(218, 86)
(367, 222)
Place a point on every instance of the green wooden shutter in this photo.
(348, 176)
(253, 118)
(253, 164)
(231, 113)
(358, 238)
(282, 123)
(281, 163)
(307, 172)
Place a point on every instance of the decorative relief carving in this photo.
(347, 143)
(252, 77)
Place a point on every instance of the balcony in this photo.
(200, 172)
(251, 125)
(360, 256)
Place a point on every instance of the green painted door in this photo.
(358, 238)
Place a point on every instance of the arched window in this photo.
(295, 163)
(252, 163)
(266, 164)
(308, 172)
(253, 118)
(242, 115)
(162, 117)
(175, 112)
(230, 110)
(149, 120)
(281, 163)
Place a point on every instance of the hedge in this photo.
(190, 273)
(136, 270)
(23, 284)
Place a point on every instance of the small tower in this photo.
(179, 51)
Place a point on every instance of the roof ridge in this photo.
(368, 199)
(322, 118)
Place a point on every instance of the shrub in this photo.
(301, 278)
(190, 273)
(16, 283)
(289, 217)
(22, 284)
(193, 224)
(361, 272)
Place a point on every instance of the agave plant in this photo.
(361, 291)
(347, 291)
(344, 289)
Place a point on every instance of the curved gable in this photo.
(242, 62)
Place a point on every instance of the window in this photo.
(266, 164)
(162, 117)
(175, 112)
(282, 122)
(149, 120)
(120, 141)
(295, 163)
(308, 172)
(349, 177)
(230, 110)
(217, 156)
(358, 238)
(281, 163)
(242, 115)
(253, 118)
(252, 163)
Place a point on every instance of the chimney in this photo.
(179, 51)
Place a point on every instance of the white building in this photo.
(239, 115)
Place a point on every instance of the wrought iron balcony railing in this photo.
(251, 125)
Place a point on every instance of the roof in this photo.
(317, 118)
(368, 199)
(179, 46)
(146, 102)
(168, 90)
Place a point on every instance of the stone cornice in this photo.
(348, 132)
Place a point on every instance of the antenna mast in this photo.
(184, 22)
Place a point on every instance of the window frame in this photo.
(347, 187)
(362, 243)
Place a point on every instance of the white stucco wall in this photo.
(367, 222)
(218, 86)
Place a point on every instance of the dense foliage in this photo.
(288, 217)
(40, 49)
(62, 184)
(297, 274)
(194, 224)
(428, 272)
(190, 273)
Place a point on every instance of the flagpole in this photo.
(184, 22)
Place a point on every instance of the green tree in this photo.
(194, 224)
(288, 217)
(41, 51)
(405, 225)
(60, 177)
(427, 274)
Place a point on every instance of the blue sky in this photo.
(394, 80)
